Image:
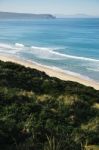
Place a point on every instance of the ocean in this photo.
(68, 44)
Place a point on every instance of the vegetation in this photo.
(38, 112)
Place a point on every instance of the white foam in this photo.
(19, 45)
(44, 52)
(7, 46)
(40, 48)
(11, 48)
(49, 53)
(76, 57)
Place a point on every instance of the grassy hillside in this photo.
(38, 112)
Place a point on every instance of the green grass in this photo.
(38, 112)
(92, 147)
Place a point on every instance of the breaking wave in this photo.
(41, 52)
(48, 53)
(19, 45)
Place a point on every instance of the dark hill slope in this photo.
(38, 112)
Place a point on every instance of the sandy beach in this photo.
(51, 72)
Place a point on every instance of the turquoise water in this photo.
(68, 44)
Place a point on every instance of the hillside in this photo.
(10, 15)
(38, 112)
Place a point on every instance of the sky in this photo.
(66, 7)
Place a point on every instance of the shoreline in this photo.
(51, 71)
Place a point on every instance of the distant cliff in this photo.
(10, 15)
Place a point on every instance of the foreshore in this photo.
(51, 71)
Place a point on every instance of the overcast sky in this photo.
(68, 7)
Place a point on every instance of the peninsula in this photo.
(13, 15)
